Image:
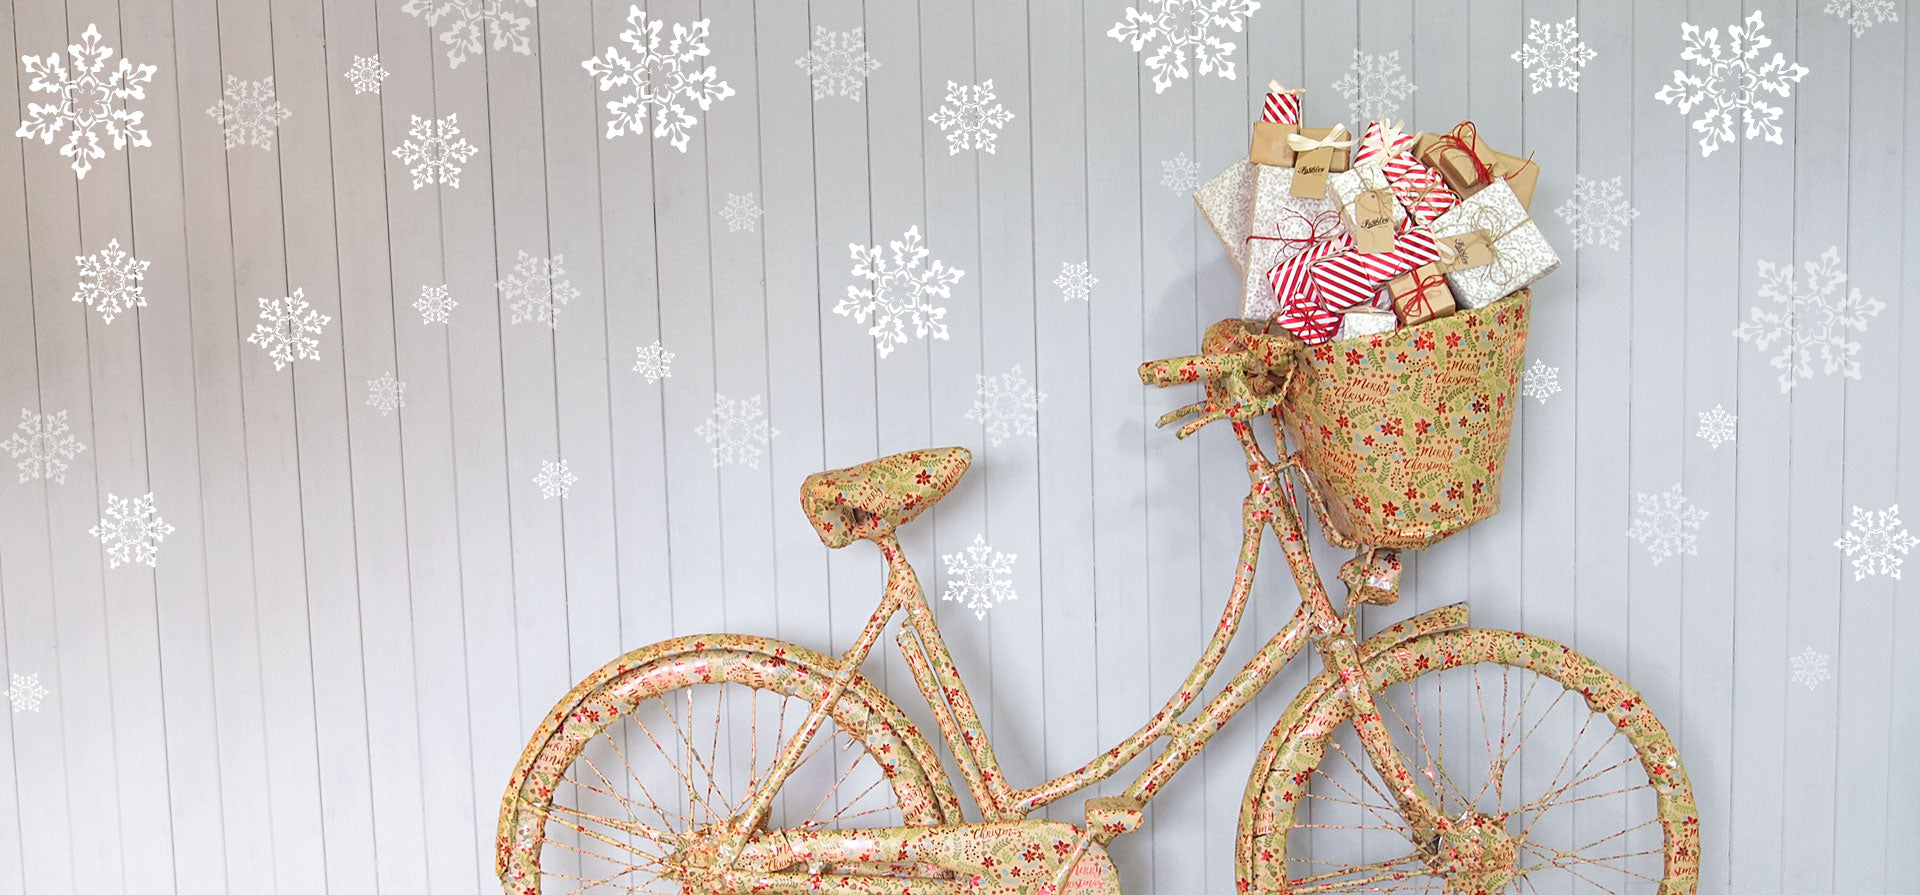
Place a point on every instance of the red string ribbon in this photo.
(1418, 303)
(1462, 139)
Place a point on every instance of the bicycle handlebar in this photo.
(1232, 352)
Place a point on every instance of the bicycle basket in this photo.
(1404, 434)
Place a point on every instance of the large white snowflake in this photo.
(1723, 81)
(42, 447)
(436, 150)
(1598, 212)
(536, 290)
(554, 479)
(899, 292)
(1540, 381)
(289, 331)
(1075, 281)
(1374, 85)
(1716, 426)
(653, 362)
(1178, 29)
(366, 74)
(25, 692)
(736, 430)
(1809, 315)
(110, 281)
(386, 394)
(839, 63)
(86, 101)
(469, 21)
(1665, 521)
(1180, 174)
(663, 84)
(1553, 55)
(131, 530)
(434, 304)
(741, 213)
(1006, 405)
(973, 115)
(1810, 668)
(979, 577)
(249, 114)
(1862, 14)
(1872, 538)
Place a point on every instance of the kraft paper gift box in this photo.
(1318, 153)
(1226, 201)
(1492, 226)
(1367, 208)
(1420, 295)
(1279, 119)
(1280, 226)
(1469, 165)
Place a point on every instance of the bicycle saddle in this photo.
(878, 496)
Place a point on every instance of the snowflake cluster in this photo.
(436, 150)
(899, 292)
(979, 577)
(1809, 315)
(249, 114)
(974, 123)
(290, 329)
(662, 84)
(469, 21)
(42, 447)
(1553, 55)
(1374, 85)
(131, 531)
(1006, 405)
(1598, 212)
(737, 430)
(1178, 29)
(1872, 539)
(838, 63)
(1665, 521)
(1726, 81)
(87, 101)
(536, 291)
(110, 281)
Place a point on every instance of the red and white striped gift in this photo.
(1344, 280)
(1420, 189)
(1383, 142)
(1289, 278)
(1304, 317)
(1282, 105)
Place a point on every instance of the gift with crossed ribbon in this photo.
(1495, 248)
(1280, 226)
(1420, 295)
(1300, 310)
(1468, 165)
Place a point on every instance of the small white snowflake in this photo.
(741, 213)
(1374, 85)
(1665, 522)
(436, 150)
(1075, 281)
(1180, 174)
(25, 692)
(1716, 426)
(1862, 14)
(250, 114)
(434, 304)
(737, 430)
(289, 331)
(839, 63)
(1006, 405)
(42, 447)
(131, 530)
(86, 101)
(1723, 82)
(1598, 212)
(110, 281)
(536, 289)
(979, 577)
(1875, 536)
(975, 123)
(1810, 668)
(386, 393)
(366, 74)
(663, 84)
(555, 480)
(1540, 382)
(1182, 28)
(469, 21)
(1811, 314)
(898, 292)
(1553, 55)
(653, 362)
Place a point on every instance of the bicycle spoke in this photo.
(635, 776)
(1324, 882)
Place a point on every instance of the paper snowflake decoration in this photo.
(1809, 315)
(1872, 539)
(1862, 14)
(1180, 174)
(42, 447)
(737, 430)
(1179, 29)
(1075, 281)
(386, 394)
(25, 692)
(288, 333)
(87, 101)
(1716, 426)
(1810, 668)
(972, 114)
(838, 63)
(1725, 81)
(899, 292)
(110, 281)
(1665, 522)
(741, 213)
(470, 21)
(1553, 55)
(554, 479)
(434, 304)
(1374, 85)
(1006, 405)
(979, 577)
(653, 362)
(664, 85)
(365, 74)
(250, 114)
(1598, 213)
(536, 291)
(1540, 382)
(436, 150)
(131, 531)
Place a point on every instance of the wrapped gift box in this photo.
(1383, 142)
(1469, 165)
(1346, 189)
(1520, 253)
(1419, 189)
(1352, 278)
(1227, 202)
(1369, 322)
(1281, 225)
(1420, 295)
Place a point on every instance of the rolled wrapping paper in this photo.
(1519, 251)
(1227, 202)
(1279, 225)
(1382, 142)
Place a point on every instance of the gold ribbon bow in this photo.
(1336, 138)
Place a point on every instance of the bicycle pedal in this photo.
(1110, 816)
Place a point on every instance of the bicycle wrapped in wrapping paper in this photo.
(1491, 226)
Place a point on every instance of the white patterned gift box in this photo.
(1344, 189)
(1280, 226)
(1225, 201)
(1521, 254)
(1366, 322)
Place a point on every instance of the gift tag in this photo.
(1460, 251)
(1373, 222)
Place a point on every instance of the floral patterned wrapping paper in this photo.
(1521, 252)
(1275, 212)
(1226, 201)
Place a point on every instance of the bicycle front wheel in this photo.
(1551, 774)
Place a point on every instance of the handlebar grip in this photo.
(1192, 368)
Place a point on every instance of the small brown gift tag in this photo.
(1317, 152)
(1372, 221)
(1270, 144)
(1420, 295)
(1474, 248)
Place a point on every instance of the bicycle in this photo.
(696, 763)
